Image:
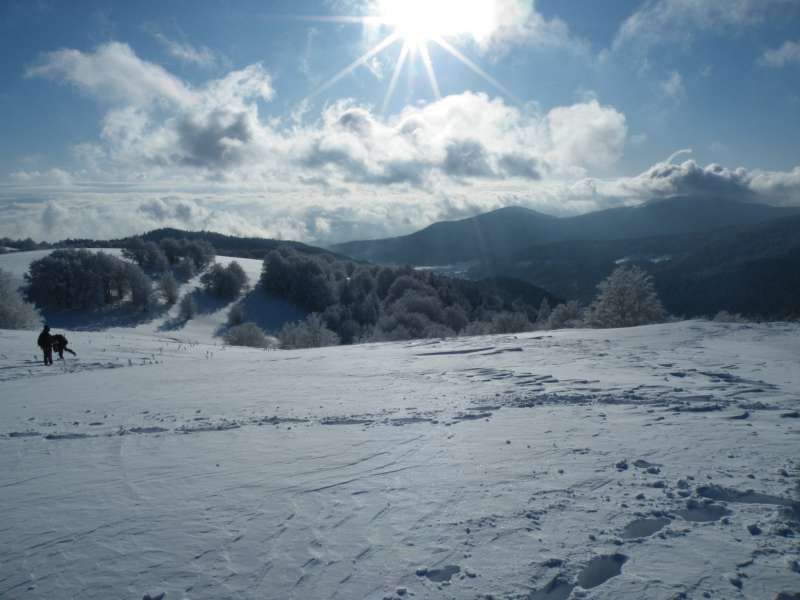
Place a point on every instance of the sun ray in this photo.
(426, 60)
(417, 23)
(395, 76)
(387, 41)
(472, 66)
(358, 20)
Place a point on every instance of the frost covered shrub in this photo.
(724, 316)
(246, 334)
(187, 308)
(15, 313)
(169, 288)
(310, 333)
(225, 282)
(626, 298)
(511, 322)
(565, 315)
(477, 328)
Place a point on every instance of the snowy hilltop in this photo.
(651, 462)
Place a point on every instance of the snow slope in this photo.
(654, 462)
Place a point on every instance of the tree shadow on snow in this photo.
(122, 315)
(268, 311)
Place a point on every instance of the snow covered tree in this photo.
(15, 313)
(224, 282)
(236, 315)
(510, 322)
(246, 334)
(147, 255)
(185, 269)
(141, 287)
(187, 308)
(565, 315)
(311, 333)
(543, 314)
(169, 288)
(626, 298)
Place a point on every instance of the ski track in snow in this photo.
(654, 462)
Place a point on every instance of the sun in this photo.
(420, 21)
(417, 24)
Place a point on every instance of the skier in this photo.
(45, 342)
(60, 345)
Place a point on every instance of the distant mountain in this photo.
(752, 269)
(502, 234)
(493, 235)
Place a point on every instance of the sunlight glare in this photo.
(417, 21)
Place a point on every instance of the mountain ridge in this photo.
(503, 233)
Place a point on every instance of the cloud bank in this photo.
(203, 157)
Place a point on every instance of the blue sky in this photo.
(119, 117)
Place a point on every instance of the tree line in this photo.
(348, 301)
(354, 302)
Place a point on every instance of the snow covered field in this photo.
(655, 462)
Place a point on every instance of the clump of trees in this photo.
(79, 279)
(362, 302)
(148, 255)
(185, 257)
(358, 302)
(15, 313)
(225, 282)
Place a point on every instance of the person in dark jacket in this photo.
(60, 345)
(45, 342)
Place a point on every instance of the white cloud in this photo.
(587, 135)
(114, 74)
(787, 54)
(215, 132)
(518, 22)
(673, 87)
(196, 55)
(460, 137)
(658, 21)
